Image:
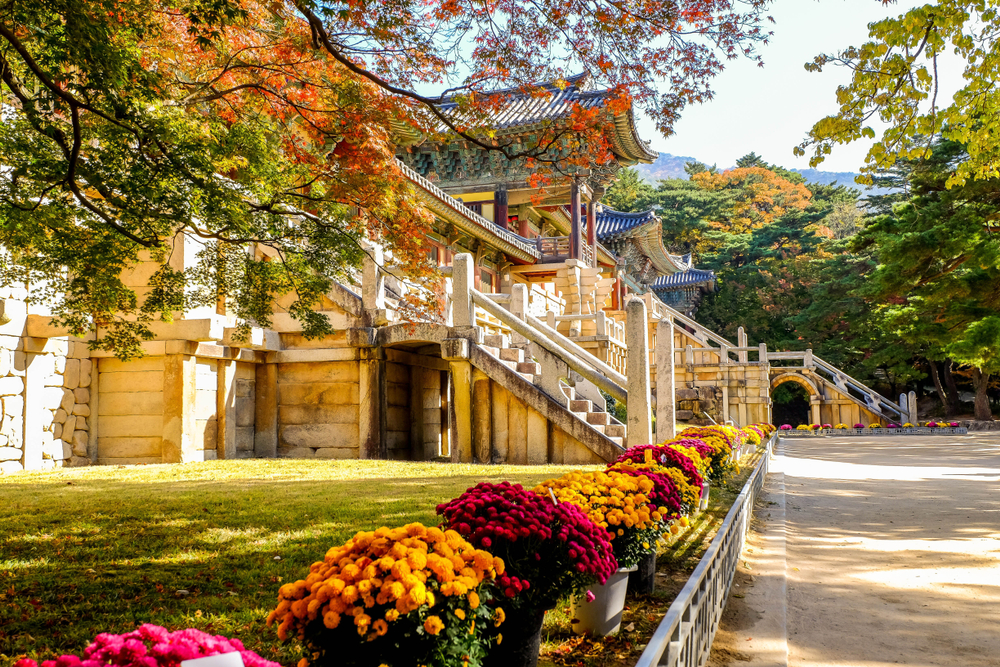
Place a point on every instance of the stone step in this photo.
(512, 365)
(578, 405)
(615, 439)
(496, 340)
(615, 431)
(598, 418)
(529, 367)
(495, 351)
(512, 354)
(570, 393)
(529, 377)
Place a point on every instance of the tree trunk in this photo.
(949, 383)
(981, 381)
(936, 376)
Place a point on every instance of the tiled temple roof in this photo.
(646, 230)
(522, 111)
(683, 279)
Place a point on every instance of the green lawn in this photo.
(103, 549)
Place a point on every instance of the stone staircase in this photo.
(499, 346)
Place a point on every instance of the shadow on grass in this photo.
(81, 554)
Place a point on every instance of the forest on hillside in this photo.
(901, 290)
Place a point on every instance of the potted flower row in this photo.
(474, 590)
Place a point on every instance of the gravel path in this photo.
(871, 552)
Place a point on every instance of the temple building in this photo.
(552, 303)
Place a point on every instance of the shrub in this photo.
(410, 595)
(152, 646)
(549, 550)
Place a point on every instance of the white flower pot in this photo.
(603, 615)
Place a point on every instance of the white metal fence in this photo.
(684, 636)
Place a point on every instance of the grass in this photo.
(203, 545)
(677, 559)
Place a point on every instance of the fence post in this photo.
(518, 308)
(904, 405)
(666, 424)
(639, 430)
(741, 341)
(372, 283)
(807, 359)
(911, 406)
(463, 311)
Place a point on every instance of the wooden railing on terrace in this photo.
(557, 249)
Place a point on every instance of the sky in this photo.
(769, 110)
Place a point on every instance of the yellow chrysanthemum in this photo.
(433, 625)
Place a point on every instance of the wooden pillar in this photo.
(616, 293)
(522, 225)
(592, 229)
(500, 207)
(575, 235)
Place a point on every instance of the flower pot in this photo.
(603, 615)
(522, 640)
(643, 580)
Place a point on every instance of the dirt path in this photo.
(871, 552)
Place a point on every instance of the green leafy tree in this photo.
(896, 80)
(937, 279)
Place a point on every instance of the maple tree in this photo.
(265, 132)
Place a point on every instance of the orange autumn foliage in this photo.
(759, 196)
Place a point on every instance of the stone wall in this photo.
(130, 410)
(318, 409)
(45, 392)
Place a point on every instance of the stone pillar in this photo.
(456, 352)
(741, 341)
(265, 439)
(814, 405)
(225, 409)
(91, 377)
(371, 391)
(462, 276)
(575, 235)
(417, 382)
(807, 359)
(372, 278)
(640, 428)
(482, 424)
(179, 393)
(666, 422)
(34, 405)
(904, 405)
(519, 309)
(911, 406)
(500, 207)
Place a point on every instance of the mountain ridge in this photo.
(668, 165)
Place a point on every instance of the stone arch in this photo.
(409, 334)
(809, 385)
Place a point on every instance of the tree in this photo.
(937, 281)
(266, 132)
(896, 80)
